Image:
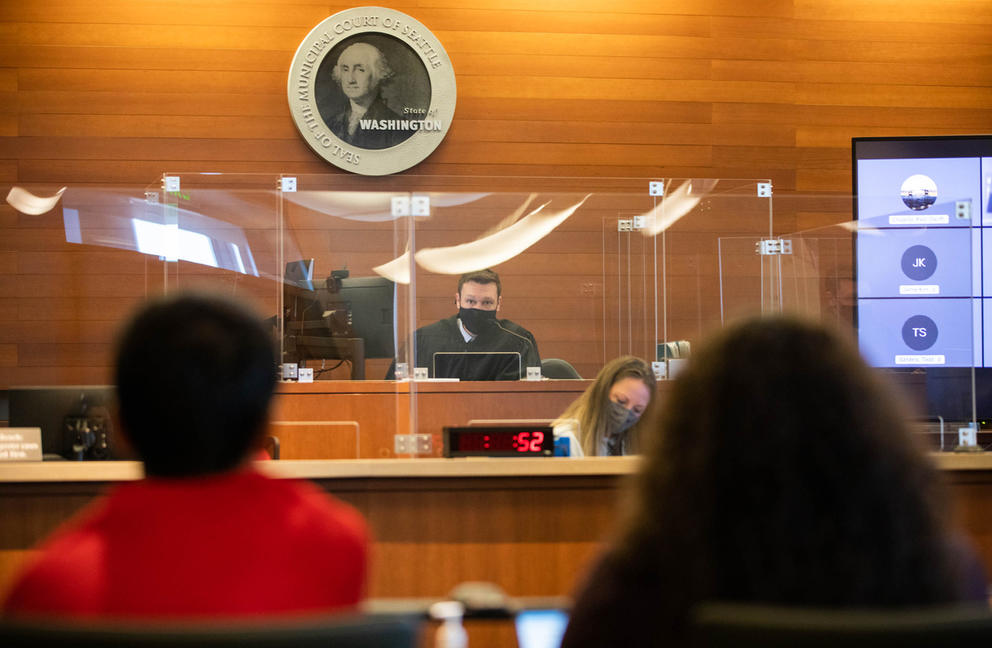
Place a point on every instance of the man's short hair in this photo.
(380, 66)
(486, 276)
(194, 375)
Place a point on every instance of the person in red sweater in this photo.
(204, 535)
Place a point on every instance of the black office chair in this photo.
(558, 369)
(728, 625)
(346, 631)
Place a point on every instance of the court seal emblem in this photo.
(372, 91)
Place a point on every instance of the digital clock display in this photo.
(515, 441)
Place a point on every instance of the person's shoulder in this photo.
(612, 607)
(311, 511)
(63, 577)
(442, 326)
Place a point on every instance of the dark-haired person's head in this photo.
(782, 470)
(483, 277)
(195, 375)
(478, 300)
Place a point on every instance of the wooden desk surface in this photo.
(433, 468)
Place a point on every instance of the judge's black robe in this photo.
(446, 336)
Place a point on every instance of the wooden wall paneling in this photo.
(596, 110)
(142, 58)
(142, 34)
(333, 440)
(379, 415)
(953, 11)
(778, 8)
(58, 375)
(617, 20)
(161, 12)
(218, 127)
(513, 541)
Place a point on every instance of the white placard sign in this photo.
(372, 90)
(20, 444)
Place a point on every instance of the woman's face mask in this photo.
(629, 397)
(620, 418)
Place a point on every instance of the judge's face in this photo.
(478, 295)
(631, 393)
(355, 72)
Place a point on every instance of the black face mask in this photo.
(477, 321)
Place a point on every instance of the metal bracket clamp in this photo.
(410, 206)
(656, 188)
(420, 205)
(416, 444)
(287, 185)
(170, 183)
(771, 247)
(631, 224)
(962, 210)
(764, 190)
(399, 206)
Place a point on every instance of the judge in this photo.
(475, 328)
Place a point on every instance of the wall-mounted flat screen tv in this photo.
(923, 259)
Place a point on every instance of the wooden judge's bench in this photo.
(530, 525)
(359, 419)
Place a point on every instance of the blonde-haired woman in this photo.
(607, 412)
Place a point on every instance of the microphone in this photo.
(522, 337)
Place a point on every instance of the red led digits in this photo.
(535, 444)
(521, 442)
(490, 443)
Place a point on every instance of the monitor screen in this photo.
(923, 259)
(358, 307)
(77, 422)
(923, 250)
(300, 273)
(540, 628)
(477, 365)
(372, 304)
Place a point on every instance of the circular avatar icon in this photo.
(918, 192)
(919, 332)
(919, 262)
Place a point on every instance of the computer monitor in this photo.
(351, 318)
(300, 273)
(372, 304)
(923, 262)
(477, 365)
(540, 628)
(77, 422)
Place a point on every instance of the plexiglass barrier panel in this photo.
(216, 233)
(345, 269)
(910, 292)
(75, 268)
(346, 255)
(590, 276)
